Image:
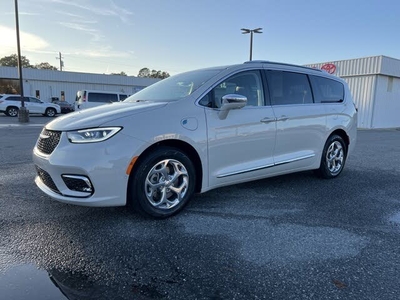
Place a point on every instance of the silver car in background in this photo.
(198, 131)
(10, 104)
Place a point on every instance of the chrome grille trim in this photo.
(48, 141)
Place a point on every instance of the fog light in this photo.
(78, 183)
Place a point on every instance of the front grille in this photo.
(46, 179)
(48, 141)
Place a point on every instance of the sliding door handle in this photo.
(283, 118)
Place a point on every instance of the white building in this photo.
(375, 85)
(46, 84)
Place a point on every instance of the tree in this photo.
(145, 72)
(122, 73)
(44, 66)
(12, 61)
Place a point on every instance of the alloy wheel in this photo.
(166, 184)
(335, 157)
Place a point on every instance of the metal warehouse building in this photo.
(47, 84)
(375, 85)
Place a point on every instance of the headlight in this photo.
(92, 135)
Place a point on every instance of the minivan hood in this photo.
(96, 116)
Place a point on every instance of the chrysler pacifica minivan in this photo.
(198, 131)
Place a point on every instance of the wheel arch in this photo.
(184, 147)
(340, 132)
(12, 106)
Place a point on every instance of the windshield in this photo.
(174, 87)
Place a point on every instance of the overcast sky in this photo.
(105, 36)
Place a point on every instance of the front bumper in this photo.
(104, 164)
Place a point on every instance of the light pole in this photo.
(251, 31)
(23, 113)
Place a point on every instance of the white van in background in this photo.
(91, 98)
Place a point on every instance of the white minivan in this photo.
(197, 131)
(91, 98)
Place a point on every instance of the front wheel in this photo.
(50, 112)
(162, 183)
(333, 157)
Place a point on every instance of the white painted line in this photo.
(21, 125)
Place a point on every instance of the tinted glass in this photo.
(13, 98)
(247, 84)
(327, 90)
(102, 97)
(31, 99)
(289, 88)
(122, 97)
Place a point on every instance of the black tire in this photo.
(12, 111)
(151, 194)
(333, 157)
(50, 112)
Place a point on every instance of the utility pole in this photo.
(23, 113)
(61, 61)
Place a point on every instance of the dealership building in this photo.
(48, 84)
(374, 83)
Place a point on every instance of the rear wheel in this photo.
(12, 111)
(50, 112)
(333, 157)
(162, 183)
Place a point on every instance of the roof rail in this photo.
(282, 64)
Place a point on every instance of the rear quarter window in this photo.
(327, 90)
(13, 98)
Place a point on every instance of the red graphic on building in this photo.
(330, 68)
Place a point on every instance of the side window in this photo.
(13, 98)
(122, 97)
(289, 88)
(34, 100)
(102, 97)
(327, 90)
(247, 84)
(206, 101)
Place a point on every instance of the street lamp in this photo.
(251, 31)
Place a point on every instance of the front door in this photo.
(241, 146)
(35, 105)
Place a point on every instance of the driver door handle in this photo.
(267, 120)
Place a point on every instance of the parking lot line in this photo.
(21, 125)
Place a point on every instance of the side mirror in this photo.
(231, 101)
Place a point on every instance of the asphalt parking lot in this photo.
(289, 237)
